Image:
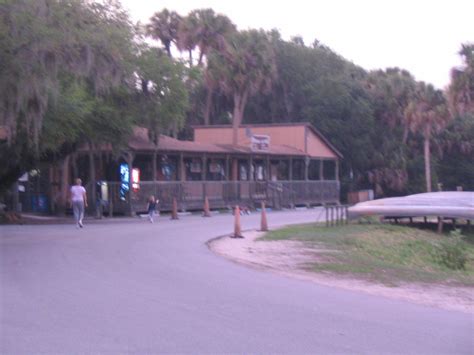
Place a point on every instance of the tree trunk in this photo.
(426, 148)
(288, 103)
(236, 119)
(405, 135)
(201, 55)
(190, 58)
(240, 100)
(64, 185)
(92, 196)
(207, 109)
(168, 48)
(75, 170)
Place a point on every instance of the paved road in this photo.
(141, 288)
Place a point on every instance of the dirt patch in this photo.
(291, 257)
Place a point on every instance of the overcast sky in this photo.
(419, 35)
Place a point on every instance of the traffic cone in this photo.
(207, 211)
(237, 229)
(263, 223)
(174, 212)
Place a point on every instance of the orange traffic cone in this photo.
(174, 212)
(237, 229)
(263, 223)
(207, 211)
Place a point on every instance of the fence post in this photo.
(263, 221)
(440, 224)
(327, 215)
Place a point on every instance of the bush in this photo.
(451, 252)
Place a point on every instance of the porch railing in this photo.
(190, 195)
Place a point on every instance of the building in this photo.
(283, 164)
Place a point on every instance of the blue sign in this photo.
(124, 180)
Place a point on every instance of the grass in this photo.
(383, 252)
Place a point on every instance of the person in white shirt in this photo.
(78, 202)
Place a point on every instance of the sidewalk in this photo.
(31, 218)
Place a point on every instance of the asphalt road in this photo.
(133, 287)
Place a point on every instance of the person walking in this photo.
(151, 207)
(78, 202)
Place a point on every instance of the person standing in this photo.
(78, 202)
(151, 207)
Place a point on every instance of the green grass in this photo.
(382, 252)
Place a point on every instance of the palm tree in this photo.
(208, 30)
(164, 27)
(392, 90)
(246, 67)
(427, 114)
(461, 88)
(187, 37)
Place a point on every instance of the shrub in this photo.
(451, 252)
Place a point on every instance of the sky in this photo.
(421, 36)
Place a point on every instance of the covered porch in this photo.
(225, 179)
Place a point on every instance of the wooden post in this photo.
(153, 166)
(111, 201)
(269, 169)
(207, 211)
(307, 161)
(174, 212)
(204, 166)
(263, 221)
(290, 178)
(235, 169)
(321, 169)
(290, 169)
(440, 224)
(237, 227)
(227, 168)
(250, 173)
(182, 168)
(327, 215)
(336, 170)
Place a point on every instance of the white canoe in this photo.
(448, 204)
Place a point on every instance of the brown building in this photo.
(283, 164)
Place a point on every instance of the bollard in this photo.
(263, 222)
(237, 229)
(207, 212)
(174, 212)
